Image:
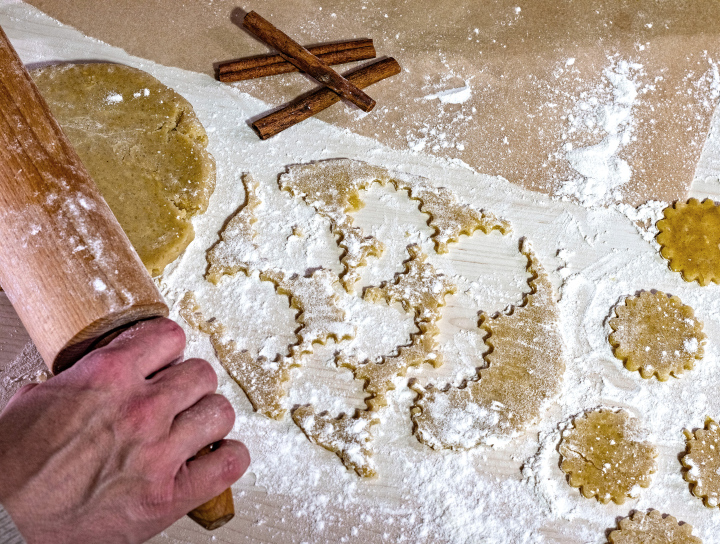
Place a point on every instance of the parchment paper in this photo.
(514, 57)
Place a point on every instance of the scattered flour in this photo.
(113, 98)
(458, 95)
(602, 170)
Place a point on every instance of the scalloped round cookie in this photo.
(702, 459)
(656, 334)
(689, 238)
(604, 455)
(142, 144)
(652, 527)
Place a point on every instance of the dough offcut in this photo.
(143, 145)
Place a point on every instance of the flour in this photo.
(603, 171)
(514, 493)
(114, 98)
(458, 95)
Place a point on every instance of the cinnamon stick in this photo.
(304, 107)
(307, 62)
(265, 60)
(271, 69)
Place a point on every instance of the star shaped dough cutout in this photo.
(689, 238)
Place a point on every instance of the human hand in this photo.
(100, 452)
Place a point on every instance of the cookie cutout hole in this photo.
(393, 217)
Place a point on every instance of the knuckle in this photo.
(236, 460)
(233, 466)
(203, 372)
(139, 413)
(225, 409)
(103, 367)
(173, 332)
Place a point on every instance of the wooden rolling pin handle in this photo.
(217, 511)
(66, 265)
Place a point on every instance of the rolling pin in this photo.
(66, 265)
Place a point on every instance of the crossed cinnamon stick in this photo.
(315, 62)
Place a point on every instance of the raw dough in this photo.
(422, 291)
(652, 528)
(333, 188)
(702, 459)
(604, 456)
(419, 288)
(378, 377)
(236, 247)
(143, 145)
(263, 381)
(526, 364)
(320, 317)
(689, 239)
(657, 335)
(348, 437)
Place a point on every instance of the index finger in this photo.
(147, 347)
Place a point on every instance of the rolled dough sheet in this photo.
(143, 145)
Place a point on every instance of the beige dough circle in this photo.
(143, 145)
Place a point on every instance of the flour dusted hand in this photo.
(100, 453)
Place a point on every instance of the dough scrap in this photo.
(657, 335)
(320, 317)
(378, 377)
(604, 455)
(419, 288)
(652, 528)
(333, 188)
(263, 381)
(689, 238)
(702, 459)
(142, 144)
(526, 364)
(356, 249)
(236, 249)
(348, 437)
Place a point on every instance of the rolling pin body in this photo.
(65, 263)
